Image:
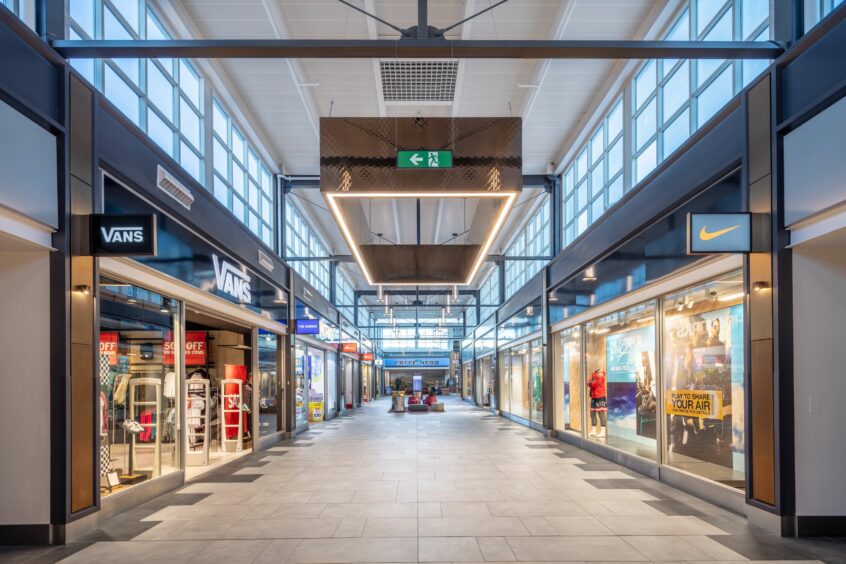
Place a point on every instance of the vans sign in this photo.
(231, 280)
(123, 235)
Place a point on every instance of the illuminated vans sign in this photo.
(231, 280)
(123, 235)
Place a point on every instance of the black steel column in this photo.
(284, 186)
(422, 23)
(50, 19)
(555, 222)
(788, 21)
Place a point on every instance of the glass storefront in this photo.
(620, 380)
(568, 373)
(331, 384)
(139, 376)
(520, 373)
(301, 412)
(618, 392)
(316, 383)
(467, 380)
(518, 380)
(704, 380)
(536, 363)
(483, 381)
(269, 396)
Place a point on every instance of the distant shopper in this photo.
(431, 398)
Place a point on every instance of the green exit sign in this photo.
(424, 159)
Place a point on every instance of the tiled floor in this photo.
(459, 486)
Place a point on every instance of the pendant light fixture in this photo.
(380, 293)
(455, 292)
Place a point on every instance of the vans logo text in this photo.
(123, 234)
(231, 280)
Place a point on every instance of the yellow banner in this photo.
(695, 403)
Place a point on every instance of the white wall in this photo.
(819, 339)
(24, 388)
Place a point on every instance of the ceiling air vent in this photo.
(416, 81)
(174, 188)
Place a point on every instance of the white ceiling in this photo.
(285, 103)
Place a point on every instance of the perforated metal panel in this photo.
(418, 81)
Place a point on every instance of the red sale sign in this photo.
(195, 348)
(109, 347)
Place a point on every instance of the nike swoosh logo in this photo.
(705, 236)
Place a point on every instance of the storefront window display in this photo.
(536, 362)
(620, 376)
(704, 380)
(301, 411)
(316, 383)
(467, 380)
(138, 380)
(331, 383)
(483, 381)
(504, 364)
(568, 366)
(269, 400)
(518, 381)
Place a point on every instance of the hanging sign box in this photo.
(123, 235)
(307, 327)
(349, 348)
(367, 357)
(709, 233)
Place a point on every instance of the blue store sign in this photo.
(417, 362)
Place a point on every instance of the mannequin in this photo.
(598, 403)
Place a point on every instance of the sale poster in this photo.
(195, 348)
(109, 346)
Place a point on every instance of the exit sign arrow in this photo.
(424, 159)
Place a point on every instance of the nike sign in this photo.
(705, 236)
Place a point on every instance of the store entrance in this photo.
(219, 391)
(422, 381)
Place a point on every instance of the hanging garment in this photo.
(169, 388)
(149, 432)
(121, 384)
(104, 415)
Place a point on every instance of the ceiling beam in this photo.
(415, 49)
(373, 33)
(469, 10)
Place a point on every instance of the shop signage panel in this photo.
(416, 363)
(719, 233)
(195, 348)
(349, 348)
(424, 159)
(109, 346)
(695, 403)
(307, 327)
(367, 357)
(186, 256)
(123, 235)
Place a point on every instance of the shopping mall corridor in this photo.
(458, 486)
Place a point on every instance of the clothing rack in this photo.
(154, 426)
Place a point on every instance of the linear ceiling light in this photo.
(508, 196)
